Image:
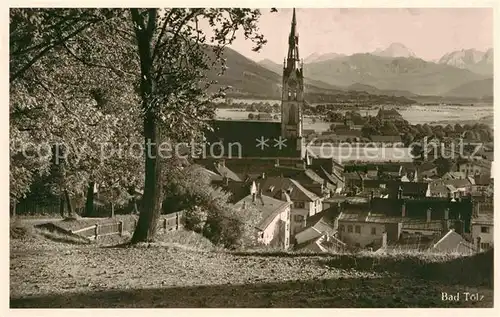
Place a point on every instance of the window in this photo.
(485, 245)
(298, 218)
(374, 231)
(358, 229)
(299, 204)
(485, 230)
(349, 228)
(341, 228)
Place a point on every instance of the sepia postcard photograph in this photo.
(234, 157)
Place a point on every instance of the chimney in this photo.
(429, 213)
(400, 192)
(263, 175)
(478, 244)
(244, 205)
(283, 195)
(459, 226)
(403, 210)
(384, 239)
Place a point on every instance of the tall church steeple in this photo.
(292, 97)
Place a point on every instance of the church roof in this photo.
(248, 139)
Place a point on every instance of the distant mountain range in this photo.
(397, 71)
(379, 73)
(395, 50)
(471, 59)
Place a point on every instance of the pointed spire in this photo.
(293, 41)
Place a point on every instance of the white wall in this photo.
(485, 237)
(272, 233)
(365, 237)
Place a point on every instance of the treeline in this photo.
(373, 125)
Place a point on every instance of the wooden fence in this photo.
(166, 223)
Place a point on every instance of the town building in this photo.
(389, 115)
(475, 167)
(273, 229)
(305, 202)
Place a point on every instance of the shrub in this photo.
(195, 219)
(207, 209)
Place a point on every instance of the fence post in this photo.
(165, 224)
(120, 224)
(96, 231)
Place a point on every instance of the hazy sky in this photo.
(428, 32)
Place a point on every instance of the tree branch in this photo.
(118, 72)
(23, 69)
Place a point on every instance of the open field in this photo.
(414, 114)
(183, 270)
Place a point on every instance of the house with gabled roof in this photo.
(482, 229)
(475, 167)
(273, 229)
(305, 202)
(323, 223)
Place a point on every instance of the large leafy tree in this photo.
(174, 59)
(161, 55)
(72, 93)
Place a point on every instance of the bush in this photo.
(207, 209)
(195, 219)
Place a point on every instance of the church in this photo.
(252, 147)
(255, 139)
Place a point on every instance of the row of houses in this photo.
(313, 207)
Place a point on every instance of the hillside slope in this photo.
(153, 275)
(478, 89)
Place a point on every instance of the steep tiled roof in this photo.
(351, 199)
(417, 224)
(226, 172)
(269, 207)
(272, 186)
(483, 218)
(246, 133)
(483, 180)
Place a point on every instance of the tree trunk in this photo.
(61, 206)
(151, 202)
(14, 204)
(148, 217)
(68, 202)
(89, 204)
(112, 210)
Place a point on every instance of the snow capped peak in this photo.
(395, 50)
